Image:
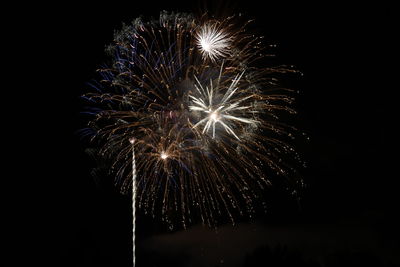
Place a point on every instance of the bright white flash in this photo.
(212, 42)
(227, 109)
(214, 116)
(164, 155)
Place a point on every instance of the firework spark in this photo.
(220, 108)
(213, 43)
(203, 123)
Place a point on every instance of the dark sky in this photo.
(349, 205)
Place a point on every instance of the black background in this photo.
(344, 104)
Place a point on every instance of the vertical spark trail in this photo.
(133, 206)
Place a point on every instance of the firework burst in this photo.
(220, 107)
(183, 95)
(212, 42)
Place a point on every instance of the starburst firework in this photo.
(220, 108)
(213, 43)
(205, 121)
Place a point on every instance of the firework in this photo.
(212, 42)
(184, 97)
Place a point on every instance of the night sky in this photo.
(348, 212)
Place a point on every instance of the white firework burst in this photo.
(213, 43)
(224, 108)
